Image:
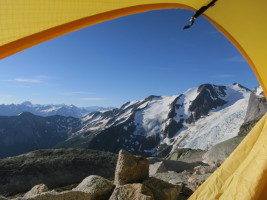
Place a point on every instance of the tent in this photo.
(243, 176)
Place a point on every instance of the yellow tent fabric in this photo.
(24, 23)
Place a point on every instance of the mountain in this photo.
(27, 132)
(47, 110)
(257, 107)
(199, 118)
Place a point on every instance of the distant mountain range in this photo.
(48, 110)
(155, 126)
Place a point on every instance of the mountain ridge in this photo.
(153, 125)
(48, 109)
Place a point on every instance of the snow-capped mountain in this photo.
(199, 118)
(47, 110)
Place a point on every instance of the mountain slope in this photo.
(28, 132)
(199, 118)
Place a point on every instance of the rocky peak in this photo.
(209, 97)
(257, 105)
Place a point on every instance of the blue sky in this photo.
(122, 60)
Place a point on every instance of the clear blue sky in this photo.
(122, 60)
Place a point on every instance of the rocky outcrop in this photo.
(161, 189)
(98, 187)
(134, 191)
(175, 165)
(130, 169)
(157, 167)
(257, 105)
(38, 189)
(54, 168)
(196, 180)
(134, 169)
(52, 195)
(200, 170)
(187, 155)
(218, 153)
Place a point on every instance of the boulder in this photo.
(130, 169)
(135, 191)
(196, 180)
(200, 170)
(176, 165)
(38, 189)
(219, 152)
(157, 167)
(187, 155)
(162, 190)
(173, 177)
(98, 187)
(68, 195)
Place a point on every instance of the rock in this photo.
(135, 191)
(200, 170)
(175, 165)
(38, 189)
(157, 167)
(68, 195)
(187, 155)
(221, 151)
(173, 177)
(130, 169)
(162, 190)
(196, 180)
(3, 198)
(98, 187)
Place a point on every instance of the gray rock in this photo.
(99, 188)
(257, 107)
(68, 195)
(135, 191)
(196, 180)
(38, 189)
(187, 155)
(173, 177)
(200, 170)
(157, 167)
(130, 169)
(162, 190)
(175, 165)
(219, 152)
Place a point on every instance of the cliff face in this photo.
(257, 106)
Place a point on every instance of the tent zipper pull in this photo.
(200, 12)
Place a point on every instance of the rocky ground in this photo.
(54, 168)
(135, 177)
